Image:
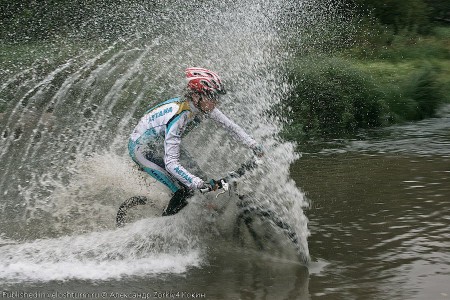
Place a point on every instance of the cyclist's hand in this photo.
(211, 185)
(258, 150)
(215, 184)
(206, 187)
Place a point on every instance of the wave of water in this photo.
(138, 250)
(66, 123)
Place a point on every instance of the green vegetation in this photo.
(396, 69)
(23, 21)
(358, 64)
(332, 97)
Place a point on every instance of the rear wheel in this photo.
(121, 217)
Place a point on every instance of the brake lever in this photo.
(225, 187)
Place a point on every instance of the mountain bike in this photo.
(249, 213)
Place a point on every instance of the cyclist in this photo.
(155, 142)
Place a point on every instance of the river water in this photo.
(379, 215)
(370, 215)
(379, 223)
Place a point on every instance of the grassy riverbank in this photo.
(369, 85)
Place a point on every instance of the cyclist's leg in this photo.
(177, 202)
(152, 165)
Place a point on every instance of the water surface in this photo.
(380, 212)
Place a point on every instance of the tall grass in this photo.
(336, 96)
(331, 97)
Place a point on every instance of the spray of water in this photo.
(64, 166)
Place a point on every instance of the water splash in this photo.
(138, 250)
(66, 123)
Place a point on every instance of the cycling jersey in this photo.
(166, 123)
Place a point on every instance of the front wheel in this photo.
(261, 224)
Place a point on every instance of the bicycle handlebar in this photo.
(224, 182)
(223, 185)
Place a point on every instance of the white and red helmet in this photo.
(204, 81)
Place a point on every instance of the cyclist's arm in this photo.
(172, 143)
(235, 130)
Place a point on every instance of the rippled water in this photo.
(380, 212)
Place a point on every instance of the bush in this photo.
(330, 97)
(335, 97)
(400, 15)
(423, 89)
(411, 92)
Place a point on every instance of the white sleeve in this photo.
(172, 153)
(236, 131)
